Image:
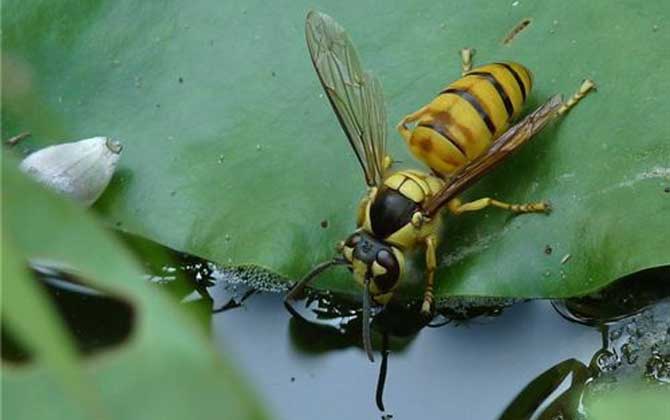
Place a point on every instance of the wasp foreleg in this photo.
(431, 264)
(466, 60)
(586, 87)
(456, 207)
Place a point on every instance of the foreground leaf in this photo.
(167, 369)
(29, 314)
(630, 403)
(233, 155)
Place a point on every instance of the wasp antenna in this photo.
(297, 290)
(381, 380)
(367, 343)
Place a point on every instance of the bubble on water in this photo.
(643, 343)
(631, 329)
(606, 360)
(657, 368)
(468, 307)
(630, 352)
(256, 277)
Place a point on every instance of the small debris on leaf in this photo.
(17, 138)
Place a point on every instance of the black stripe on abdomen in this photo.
(475, 104)
(498, 87)
(516, 76)
(441, 131)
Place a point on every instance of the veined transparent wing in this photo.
(356, 96)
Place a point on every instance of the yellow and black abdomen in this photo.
(465, 118)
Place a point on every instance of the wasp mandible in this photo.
(461, 135)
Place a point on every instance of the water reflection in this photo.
(488, 357)
(477, 368)
(467, 370)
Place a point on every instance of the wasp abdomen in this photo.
(463, 120)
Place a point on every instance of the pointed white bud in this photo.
(80, 170)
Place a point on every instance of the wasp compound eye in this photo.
(390, 273)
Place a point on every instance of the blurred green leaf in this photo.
(233, 154)
(624, 403)
(30, 315)
(167, 369)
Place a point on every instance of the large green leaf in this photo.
(167, 369)
(233, 154)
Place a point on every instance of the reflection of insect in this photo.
(461, 136)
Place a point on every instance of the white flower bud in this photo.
(80, 170)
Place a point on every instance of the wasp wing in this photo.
(356, 96)
(501, 149)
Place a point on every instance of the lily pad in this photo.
(233, 154)
(166, 369)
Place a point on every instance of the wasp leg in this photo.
(456, 207)
(405, 132)
(431, 264)
(587, 86)
(466, 60)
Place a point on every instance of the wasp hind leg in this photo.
(587, 86)
(431, 264)
(466, 65)
(456, 207)
(466, 60)
(405, 132)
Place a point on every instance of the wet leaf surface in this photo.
(232, 153)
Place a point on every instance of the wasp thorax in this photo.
(375, 260)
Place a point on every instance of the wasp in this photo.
(461, 135)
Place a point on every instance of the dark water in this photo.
(467, 371)
(472, 369)
(516, 364)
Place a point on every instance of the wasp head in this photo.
(374, 262)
